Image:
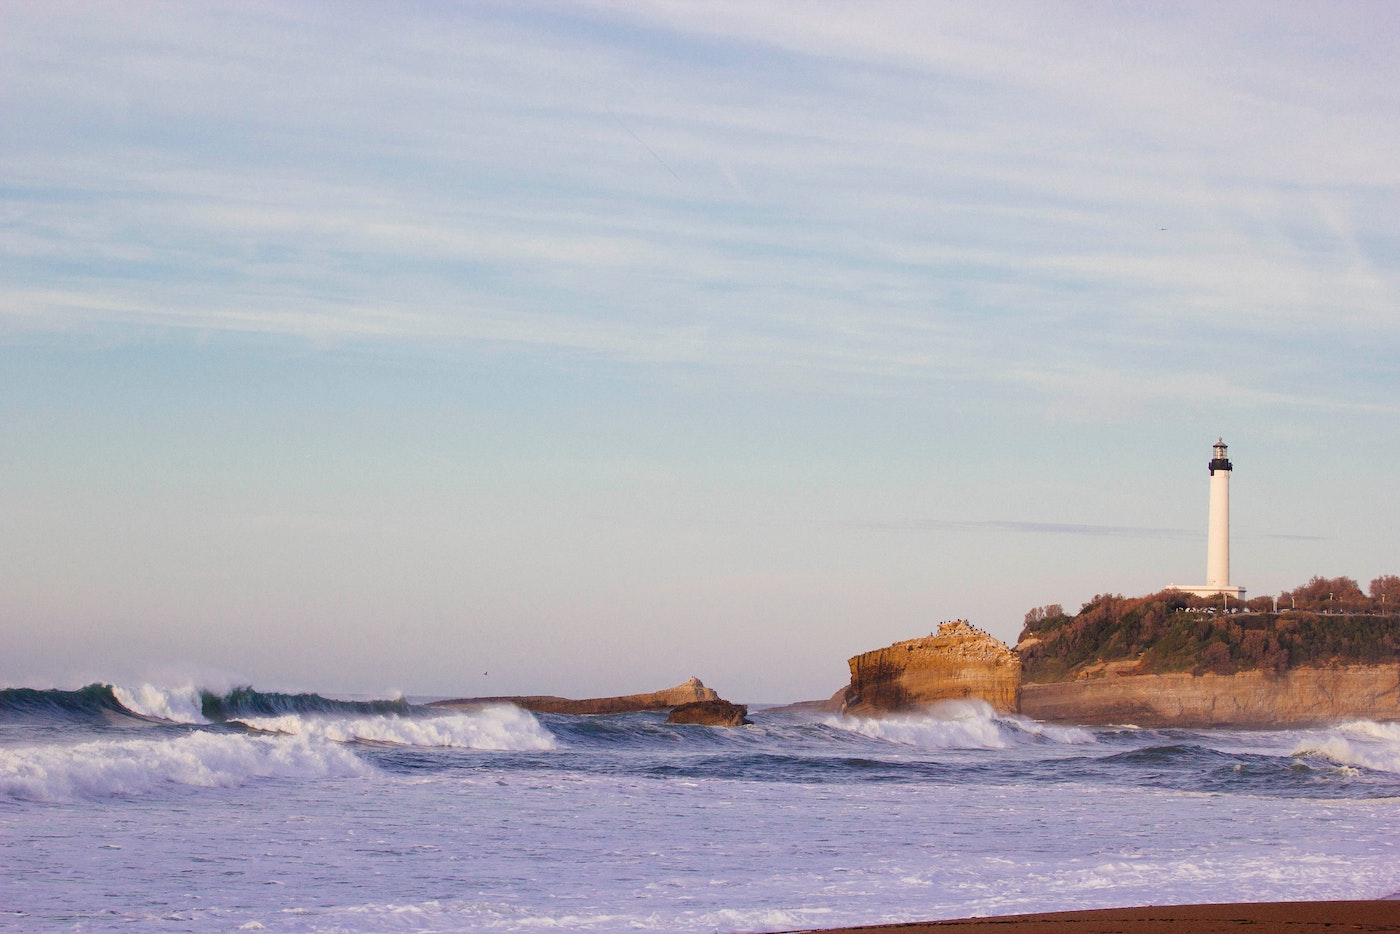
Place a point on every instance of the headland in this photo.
(1173, 659)
(1169, 659)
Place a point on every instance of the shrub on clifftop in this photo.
(1175, 631)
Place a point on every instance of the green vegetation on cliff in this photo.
(1174, 631)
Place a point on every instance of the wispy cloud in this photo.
(1050, 195)
(1025, 527)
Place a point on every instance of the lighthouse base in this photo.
(1207, 591)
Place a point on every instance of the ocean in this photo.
(124, 808)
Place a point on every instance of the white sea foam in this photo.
(178, 705)
(929, 731)
(759, 919)
(1360, 744)
(1385, 732)
(132, 767)
(454, 915)
(959, 725)
(495, 728)
(1069, 735)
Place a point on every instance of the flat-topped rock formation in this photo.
(1295, 697)
(711, 713)
(687, 693)
(959, 662)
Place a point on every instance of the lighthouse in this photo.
(1218, 529)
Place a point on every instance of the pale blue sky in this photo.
(373, 348)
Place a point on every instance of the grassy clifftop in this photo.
(1172, 631)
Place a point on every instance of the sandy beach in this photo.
(1257, 918)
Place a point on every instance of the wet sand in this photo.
(1254, 918)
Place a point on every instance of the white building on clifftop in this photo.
(1217, 531)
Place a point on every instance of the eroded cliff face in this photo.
(687, 693)
(959, 662)
(1298, 697)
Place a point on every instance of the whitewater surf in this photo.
(240, 809)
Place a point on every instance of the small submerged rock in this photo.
(711, 713)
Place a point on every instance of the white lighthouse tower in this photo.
(1218, 529)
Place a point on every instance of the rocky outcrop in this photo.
(711, 713)
(959, 662)
(962, 662)
(687, 693)
(1297, 697)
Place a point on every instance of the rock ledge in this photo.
(687, 693)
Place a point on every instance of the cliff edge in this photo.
(959, 662)
(1249, 699)
(1174, 659)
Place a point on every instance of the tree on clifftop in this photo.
(1385, 591)
(1038, 615)
(1326, 595)
(1334, 624)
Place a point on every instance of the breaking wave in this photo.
(243, 702)
(494, 728)
(200, 759)
(179, 705)
(960, 725)
(1360, 744)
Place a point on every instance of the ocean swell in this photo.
(243, 702)
(92, 702)
(179, 705)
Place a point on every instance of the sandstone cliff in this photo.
(1297, 697)
(960, 662)
(687, 693)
